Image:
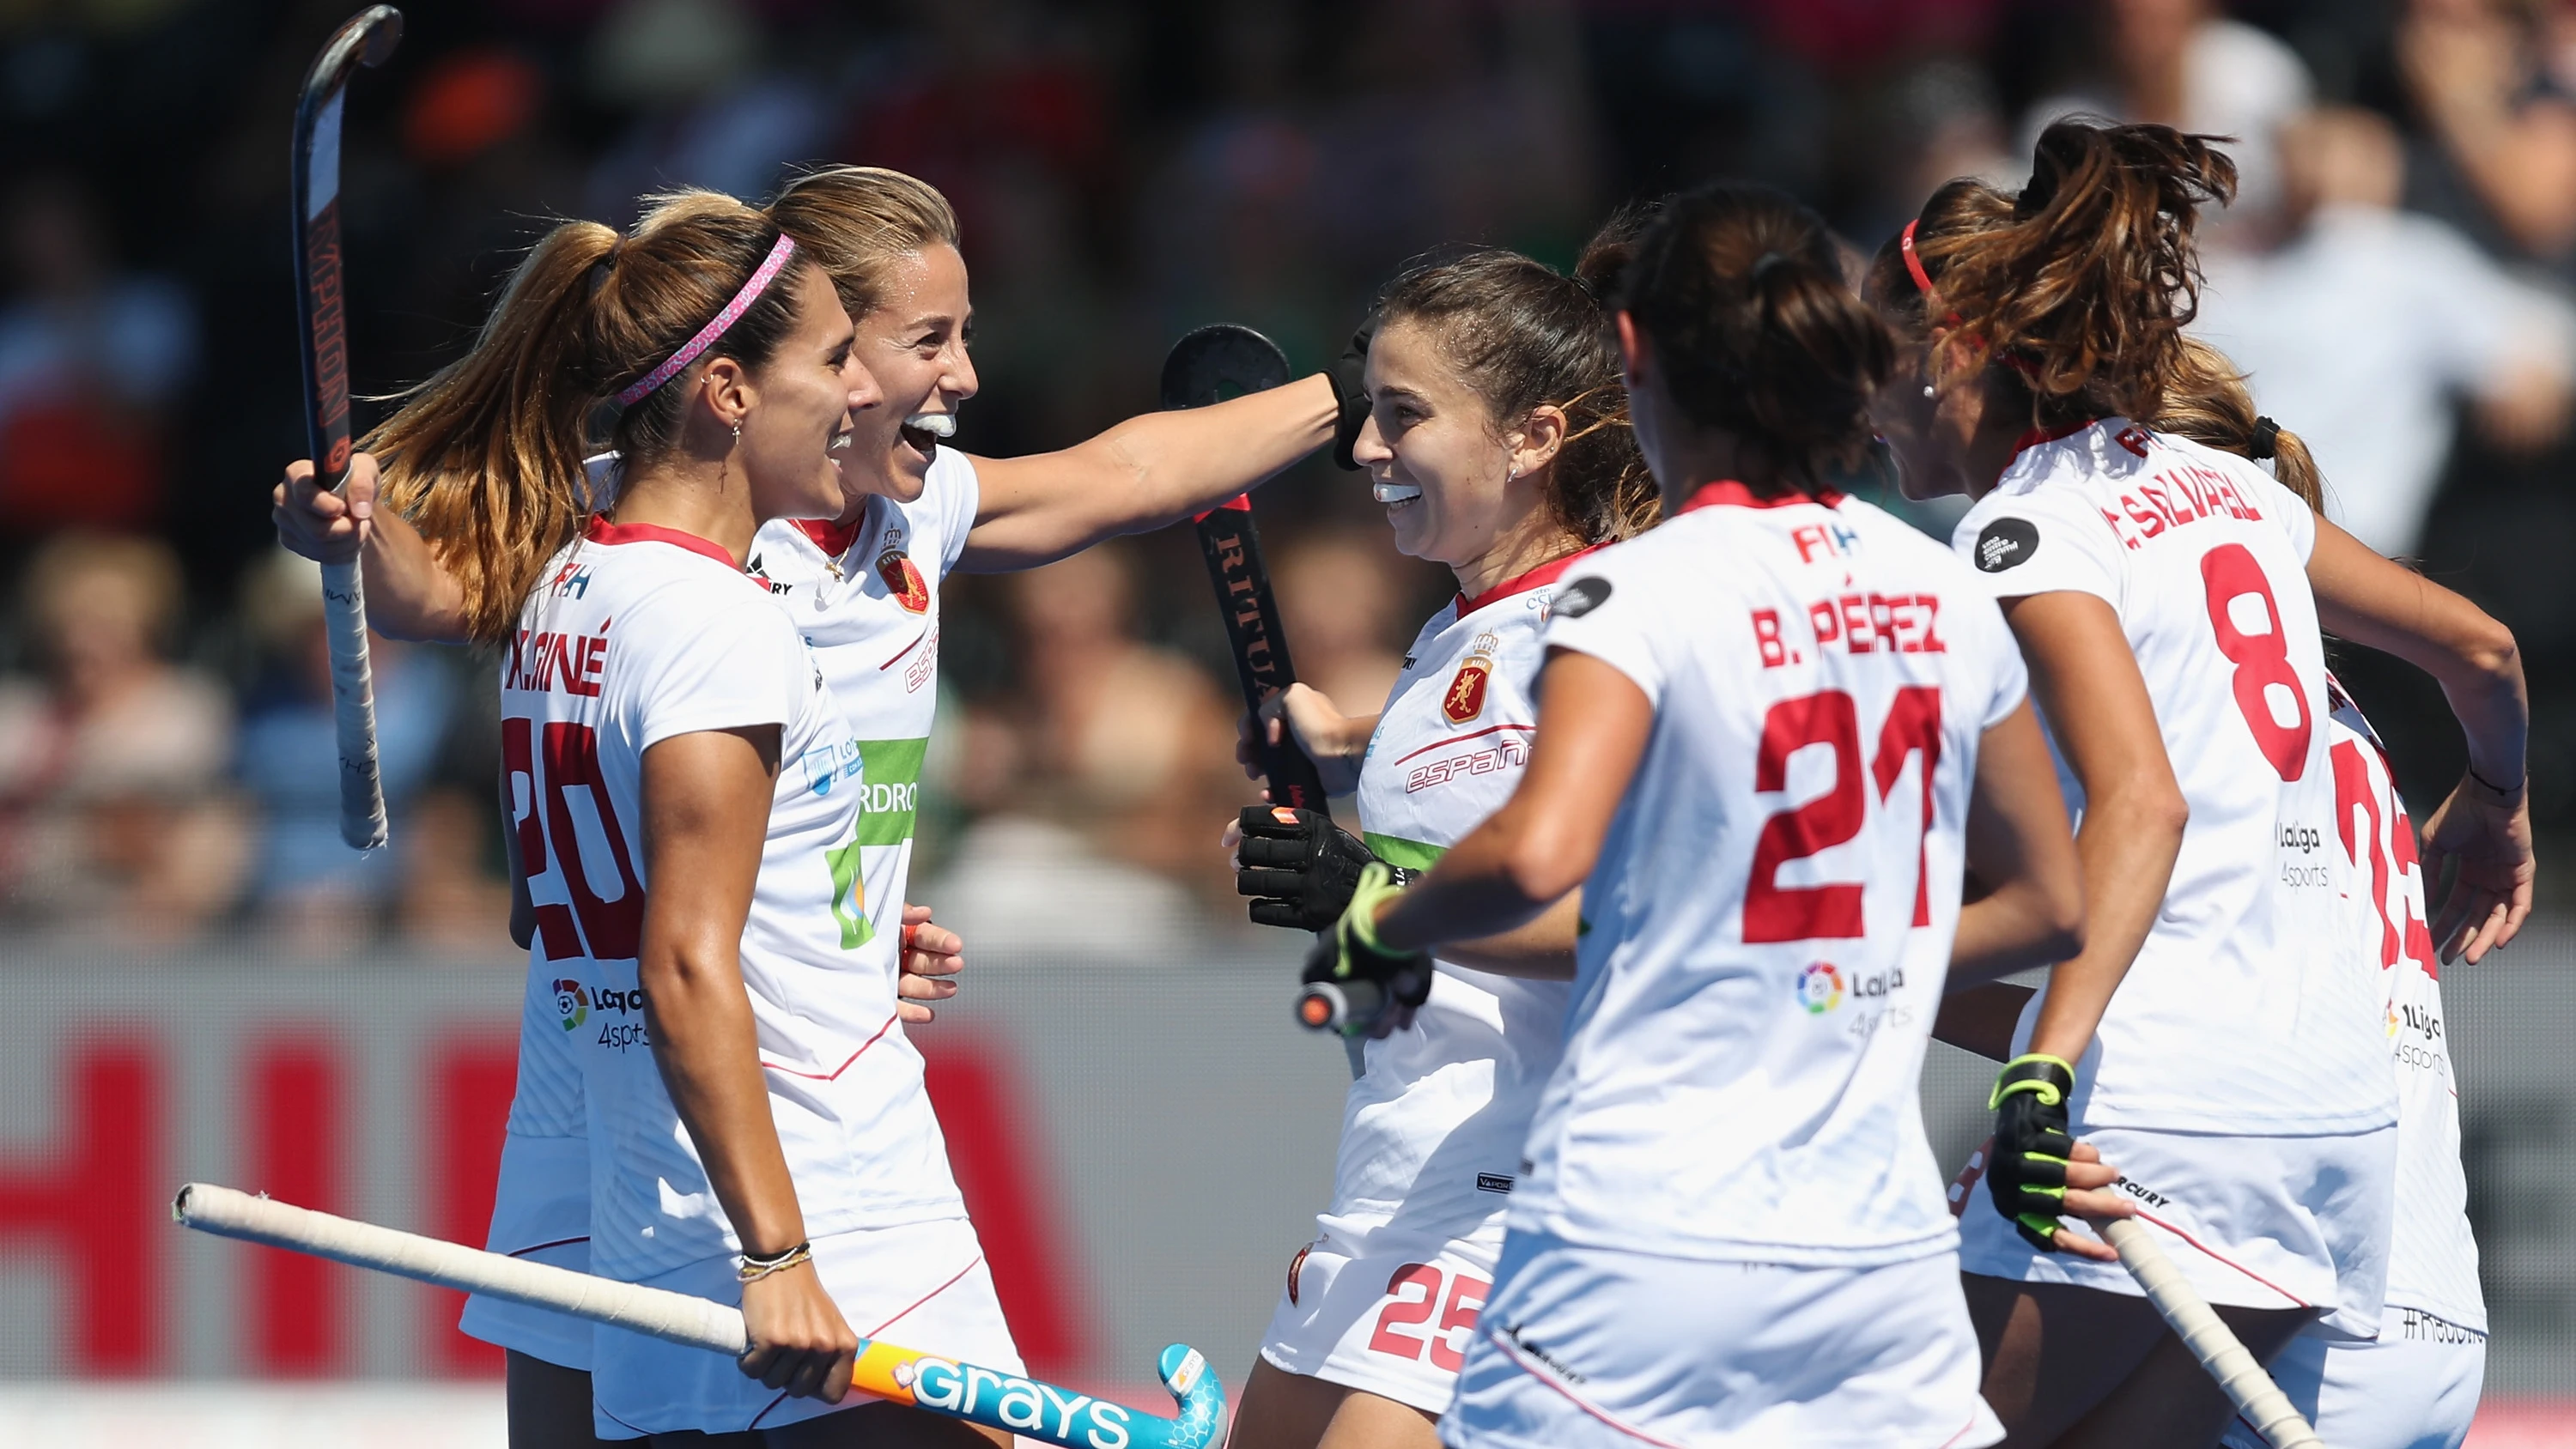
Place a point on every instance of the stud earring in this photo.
(1927, 389)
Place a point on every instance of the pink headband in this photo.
(696, 346)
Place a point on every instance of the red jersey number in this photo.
(1775, 913)
(2230, 575)
(1457, 1298)
(612, 927)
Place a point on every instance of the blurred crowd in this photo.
(2395, 275)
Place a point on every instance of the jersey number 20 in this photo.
(1774, 912)
(612, 926)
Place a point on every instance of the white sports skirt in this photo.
(1588, 1348)
(541, 1212)
(2414, 1387)
(1388, 1318)
(2254, 1222)
(921, 1285)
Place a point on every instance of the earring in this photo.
(1513, 474)
(737, 430)
(1927, 392)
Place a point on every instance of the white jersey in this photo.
(636, 635)
(1768, 927)
(2237, 1015)
(2432, 1256)
(866, 599)
(1432, 1131)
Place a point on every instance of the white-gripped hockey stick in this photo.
(2208, 1337)
(367, 39)
(1028, 1407)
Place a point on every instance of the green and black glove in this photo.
(1299, 867)
(2027, 1172)
(1354, 984)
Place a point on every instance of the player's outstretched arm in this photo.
(2134, 812)
(409, 596)
(2032, 913)
(706, 813)
(1593, 723)
(1149, 471)
(2485, 825)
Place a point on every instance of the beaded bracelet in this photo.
(754, 1269)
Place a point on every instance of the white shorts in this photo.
(2254, 1222)
(541, 1211)
(1585, 1347)
(921, 1285)
(2414, 1387)
(1380, 1318)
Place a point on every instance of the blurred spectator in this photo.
(114, 818)
(2364, 330)
(1340, 605)
(2181, 63)
(1939, 121)
(2489, 82)
(309, 886)
(91, 362)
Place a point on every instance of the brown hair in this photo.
(857, 219)
(1740, 291)
(1523, 335)
(486, 456)
(2205, 400)
(2081, 282)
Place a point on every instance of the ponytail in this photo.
(2081, 283)
(2205, 400)
(1739, 289)
(486, 456)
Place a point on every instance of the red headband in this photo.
(1914, 267)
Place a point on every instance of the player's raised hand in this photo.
(2484, 836)
(1336, 742)
(324, 526)
(931, 958)
(799, 1341)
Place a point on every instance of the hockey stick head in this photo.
(1195, 1390)
(368, 38)
(1207, 365)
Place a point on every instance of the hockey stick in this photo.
(368, 39)
(2201, 1330)
(1201, 369)
(997, 1400)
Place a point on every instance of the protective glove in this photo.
(2026, 1171)
(1299, 867)
(1354, 984)
(1349, 374)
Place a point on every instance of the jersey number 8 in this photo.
(2230, 575)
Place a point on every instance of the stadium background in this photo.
(197, 981)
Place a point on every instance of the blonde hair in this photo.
(2205, 400)
(856, 220)
(485, 456)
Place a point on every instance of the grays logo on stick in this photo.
(2005, 543)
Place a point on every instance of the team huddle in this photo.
(1713, 796)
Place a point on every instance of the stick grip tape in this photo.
(2198, 1325)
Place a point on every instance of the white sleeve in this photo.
(2047, 542)
(2011, 673)
(1603, 610)
(961, 494)
(713, 663)
(2297, 518)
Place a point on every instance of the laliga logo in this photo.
(1820, 988)
(1015, 1402)
(571, 1003)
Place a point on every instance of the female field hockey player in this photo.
(1772, 732)
(2416, 1385)
(1497, 437)
(864, 590)
(744, 1144)
(2169, 598)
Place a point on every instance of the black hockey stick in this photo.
(1205, 367)
(367, 39)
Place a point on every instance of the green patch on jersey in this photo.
(890, 787)
(849, 895)
(1410, 854)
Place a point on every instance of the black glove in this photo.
(1300, 867)
(1349, 376)
(2027, 1172)
(1353, 984)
